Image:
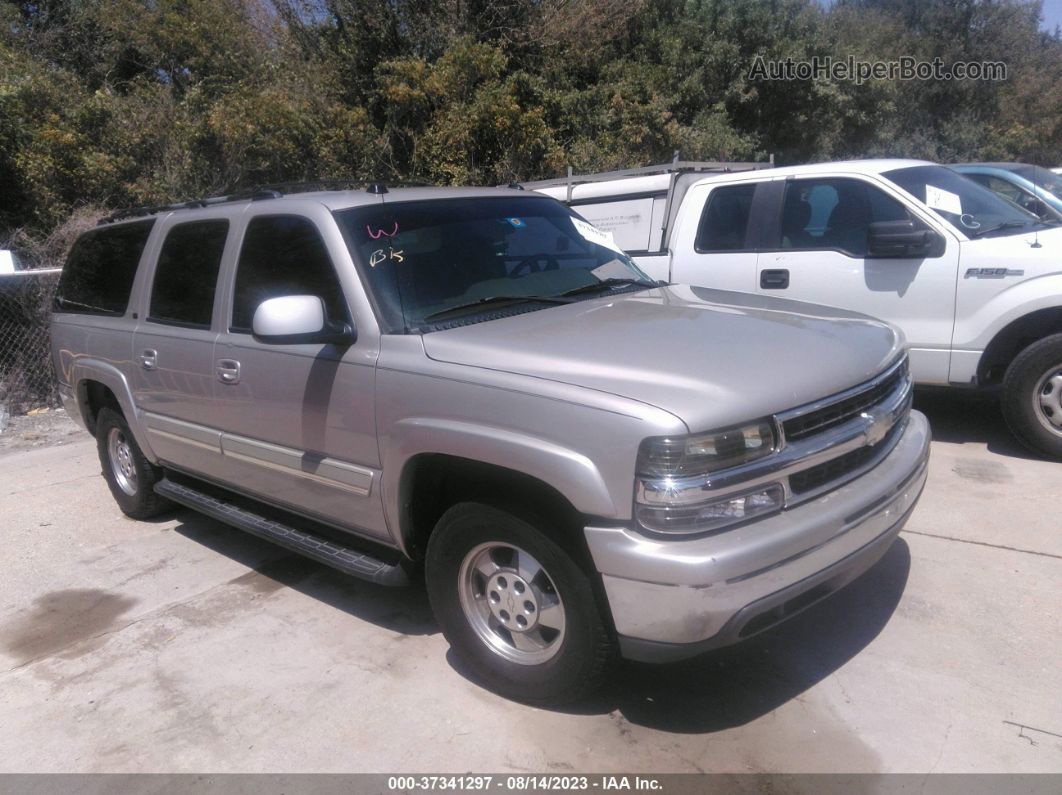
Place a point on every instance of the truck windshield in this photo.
(435, 264)
(971, 208)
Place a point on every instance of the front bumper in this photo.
(672, 599)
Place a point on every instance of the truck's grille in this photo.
(834, 414)
(882, 405)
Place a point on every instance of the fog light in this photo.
(713, 515)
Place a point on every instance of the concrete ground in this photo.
(184, 645)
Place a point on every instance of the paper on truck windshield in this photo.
(945, 201)
(595, 235)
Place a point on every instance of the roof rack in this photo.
(261, 193)
(255, 194)
(674, 167)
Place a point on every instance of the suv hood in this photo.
(710, 357)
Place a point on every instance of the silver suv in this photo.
(476, 383)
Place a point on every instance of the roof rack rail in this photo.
(306, 186)
(262, 192)
(255, 194)
(675, 166)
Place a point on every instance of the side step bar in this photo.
(347, 560)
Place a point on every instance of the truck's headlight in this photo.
(699, 454)
(674, 492)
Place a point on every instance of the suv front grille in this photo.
(830, 416)
(887, 397)
(839, 468)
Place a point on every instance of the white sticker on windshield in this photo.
(595, 235)
(945, 201)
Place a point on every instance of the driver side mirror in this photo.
(902, 240)
(298, 320)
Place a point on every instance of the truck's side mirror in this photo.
(298, 320)
(902, 240)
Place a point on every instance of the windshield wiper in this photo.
(608, 284)
(484, 303)
(998, 228)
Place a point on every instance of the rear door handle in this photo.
(149, 359)
(228, 371)
(774, 279)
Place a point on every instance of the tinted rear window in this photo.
(187, 274)
(725, 219)
(98, 276)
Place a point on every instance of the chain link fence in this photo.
(27, 378)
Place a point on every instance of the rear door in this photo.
(820, 254)
(173, 343)
(719, 232)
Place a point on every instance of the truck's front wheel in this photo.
(517, 610)
(1032, 396)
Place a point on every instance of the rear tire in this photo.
(1032, 396)
(517, 610)
(129, 475)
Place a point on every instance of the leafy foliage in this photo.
(117, 102)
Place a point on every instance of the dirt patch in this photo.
(61, 619)
(42, 428)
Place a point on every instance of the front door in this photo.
(298, 420)
(820, 255)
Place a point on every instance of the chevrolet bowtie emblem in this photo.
(877, 426)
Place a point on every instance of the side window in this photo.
(98, 276)
(186, 276)
(284, 255)
(725, 219)
(834, 214)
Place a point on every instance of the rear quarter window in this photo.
(98, 276)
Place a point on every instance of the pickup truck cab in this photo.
(477, 384)
(974, 281)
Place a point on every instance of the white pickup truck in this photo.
(974, 281)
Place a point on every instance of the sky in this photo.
(1052, 14)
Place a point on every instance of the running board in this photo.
(323, 550)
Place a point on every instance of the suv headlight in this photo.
(674, 479)
(702, 453)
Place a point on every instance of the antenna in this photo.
(1036, 229)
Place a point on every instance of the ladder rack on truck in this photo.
(638, 205)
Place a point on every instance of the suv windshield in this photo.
(971, 208)
(434, 264)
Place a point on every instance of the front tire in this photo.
(516, 608)
(130, 476)
(1032, 396)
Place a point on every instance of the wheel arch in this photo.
(98, 384)
(1013, 338)
(433, 464)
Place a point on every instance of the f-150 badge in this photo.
(992, 273)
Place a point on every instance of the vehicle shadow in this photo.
(963, 417)
(734, 686)
(720, 690)
(403, 610)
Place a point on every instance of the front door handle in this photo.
(774, 279)
(228, 371)
(149, 359)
